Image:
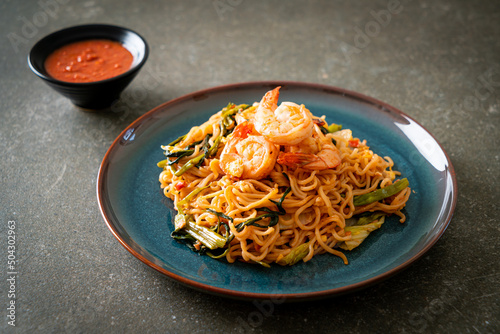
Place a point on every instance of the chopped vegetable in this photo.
(328, 129)
(354, 142)
(163, 163)
(220, 214)
(226, 125)
(359, 233)
(202, 234)
(334, 127)
(280, 202)
(217, 229)
(191, 163)
(185, 224)
(297, 254)
(180, 184)
(188, 198)
(380, 194)
(274, 215)
(366, 219)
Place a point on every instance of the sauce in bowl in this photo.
(88, 61)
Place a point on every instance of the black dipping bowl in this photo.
(90, 95)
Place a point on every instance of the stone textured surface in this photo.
(438, 61)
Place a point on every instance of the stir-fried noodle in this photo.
(267, 184)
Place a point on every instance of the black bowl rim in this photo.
(136, 67)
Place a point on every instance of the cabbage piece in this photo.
(359, 233)
(295, 255)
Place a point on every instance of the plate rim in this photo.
(245, 295)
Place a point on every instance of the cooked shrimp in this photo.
(313, 153)
(288, 124)
(247, 154)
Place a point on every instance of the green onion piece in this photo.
(177, 154)
(295, 255)
(163, 163)
(252, 221)
(188, 198)
(176, 141)
(380, 194)
(191, 163)
(172, 168)
(204, 235)
(229, 235)
(213, 150)
(228, 116)
(334, 127)
(199, 141)
(173, 162)
(228, 111)
(280, 202)
(274, 215)
(220, 214)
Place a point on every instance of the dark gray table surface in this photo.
(438, 61)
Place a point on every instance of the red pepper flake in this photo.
(180, 184)
(197, 245)
(354, 142)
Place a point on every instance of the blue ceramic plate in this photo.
(140, 217)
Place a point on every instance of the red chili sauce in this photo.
(88, 61)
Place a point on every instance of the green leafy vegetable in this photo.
(359, 233)
(185, 224)
(280, 202)
(369, 217)
(226, 126)
(203, 234)
(274, 215)
(297, 254)
(220, 214)
(229, 236)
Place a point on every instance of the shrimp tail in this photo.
(325, 159)
(270, 99)
(243, 130)
(295, 160)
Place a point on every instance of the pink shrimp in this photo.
(313, 153)
(247, 154)
(288, 124)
